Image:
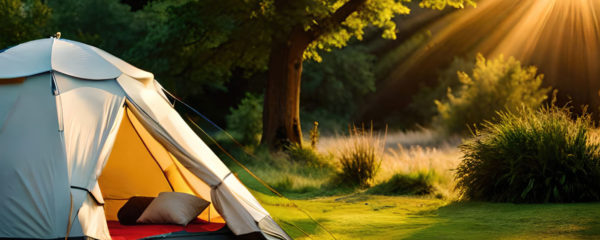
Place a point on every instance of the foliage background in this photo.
(216, 51)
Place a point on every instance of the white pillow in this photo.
(173, 208)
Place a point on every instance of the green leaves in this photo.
(441, 4)
(313, 15)
(332, 89)
(22, 21)
(194, 46)
(495, 85)
(377, 13)
(245, 121)
(106, 24)
(528, 188)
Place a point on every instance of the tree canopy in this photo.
(205, 42)
(22, 21)
(198, 46)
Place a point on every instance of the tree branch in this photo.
(339, 16)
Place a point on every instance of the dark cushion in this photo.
(133, 209)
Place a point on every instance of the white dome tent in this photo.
(79, 132)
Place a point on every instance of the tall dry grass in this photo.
(359, 156)
(411, 152)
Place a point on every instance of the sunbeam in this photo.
(560, 37)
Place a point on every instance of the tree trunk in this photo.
(281, 113)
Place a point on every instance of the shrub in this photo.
(533, 156)
(296, 184)
(297, 171)
(360, 157)
(307, 156)
(419, 183)
(245, 121)
(495, 85)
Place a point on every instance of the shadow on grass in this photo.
(478, 220)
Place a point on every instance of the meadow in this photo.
(477, 148)
(354, 213)
(364, 216)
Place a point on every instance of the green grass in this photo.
(363, 216)
(418, 183)
(351, 213)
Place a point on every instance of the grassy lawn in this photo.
(354, 214)
(362, 216)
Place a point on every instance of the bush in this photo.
(534, 156)
(495, 85)
(296, 172)
(360, 157)
(307, 156)
(295, 184)
(419, 183)
(245, 121)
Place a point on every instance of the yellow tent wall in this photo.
(140, 166)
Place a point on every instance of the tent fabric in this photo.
(147, 168)
(68, 57)
(237, 217)
(200, 189)
(180, 178)
(170, 129)
(91, 113)
(92, 219)
(81, 61)
(9, 94)
(130, 162)
(123, 66)
(157, 151)
(26, 59)
(79, 127)
(165, 125)
(35, 188)
(232, 200)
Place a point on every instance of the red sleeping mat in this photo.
(126, 232)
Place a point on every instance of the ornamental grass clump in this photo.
(532, 156)
(360, 157)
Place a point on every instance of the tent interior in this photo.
(140, 166)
